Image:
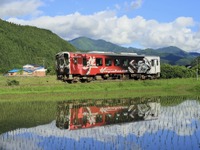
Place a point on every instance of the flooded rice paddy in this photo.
(177, 127)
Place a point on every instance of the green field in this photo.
(50, 89)
(33, 101)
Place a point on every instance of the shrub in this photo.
(169, 71)
(12, 82)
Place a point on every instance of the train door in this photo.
(76, 64)
(155, 64)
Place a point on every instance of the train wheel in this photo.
(82, 80)
(88, 81)
(71, 81)
(151, 77)
(143, 77)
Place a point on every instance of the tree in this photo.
(169, 71)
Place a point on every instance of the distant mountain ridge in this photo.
(171, 55)
(87, 44)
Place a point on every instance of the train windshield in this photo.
(62, 59)
(66, 59)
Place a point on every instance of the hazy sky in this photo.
(136, 23)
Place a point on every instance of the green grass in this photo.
(33, 101)
(49, 89)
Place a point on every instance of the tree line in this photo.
(175, 71)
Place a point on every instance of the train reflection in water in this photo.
(86, 114)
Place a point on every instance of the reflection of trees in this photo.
(175, 100)
(164, 100)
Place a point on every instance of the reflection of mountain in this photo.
(178, 127)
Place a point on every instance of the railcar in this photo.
(77, 66)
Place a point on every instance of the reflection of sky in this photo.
(177, 127)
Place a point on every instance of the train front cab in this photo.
(62, 65)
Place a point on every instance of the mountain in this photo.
(20, 45)
(171, 55)
(87, 44)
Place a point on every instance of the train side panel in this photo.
(94, 64)
(84, 66)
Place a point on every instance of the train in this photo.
(87, 114)
(95, 65)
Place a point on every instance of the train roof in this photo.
(109, 53)
(115, 54)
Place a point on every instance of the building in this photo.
(15, 72)
(28, 70)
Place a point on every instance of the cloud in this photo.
(128, 7)
(16, 8)
(121, 30)
(136, 4)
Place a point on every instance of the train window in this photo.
(84, 61)
(108, 62)
(99, 61)
(108, 118)
(75, 60)
(99, 118)
(125, 62)
(62, 62)
(152, 62)
(66, 59)
(117, 62)
(157, 62)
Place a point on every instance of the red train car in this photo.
(77, 66)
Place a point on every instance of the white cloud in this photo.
(136, 4)
(131, 6)
(117, 6)
(184, 21)
(121, 30)
(15, 8)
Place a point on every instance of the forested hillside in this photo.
(87, 44)
(20, 45)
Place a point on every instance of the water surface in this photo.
(177, 127)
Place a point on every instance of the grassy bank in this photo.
(49, 89)
(33, 101)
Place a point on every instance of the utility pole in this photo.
(197, 69)
(43, 62)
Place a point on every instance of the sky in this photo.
(135, 23)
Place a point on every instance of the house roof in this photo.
(31, 65)
(28, 70)
(14, 70)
